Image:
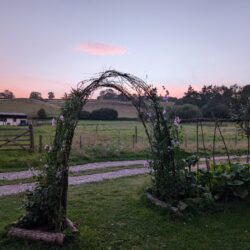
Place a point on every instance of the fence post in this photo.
(96, 128)
(236, 138)
(40, 143)
(133, 139)
(80, 141)
(31, 131)
(186, 140)
(119, 138)
(136, 135)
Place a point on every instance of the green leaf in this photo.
(242, 193)
(238, 182)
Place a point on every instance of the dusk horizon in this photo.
(53, 45)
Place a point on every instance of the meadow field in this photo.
(52, 107)
(120, 140)
(119, 136)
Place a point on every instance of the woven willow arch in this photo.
(55, 180)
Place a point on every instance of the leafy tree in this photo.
(216, 111)
(110, 94)
(51, 95)
(187, 111)
(107, 94)
(245, 95)
(36, 95)
(7, 94)
(41, 114)
(191, 97)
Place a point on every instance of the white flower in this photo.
(174, 143)
(164, 112)
(46, 147)
(53, 122)
(61, 118)
(149, 114)
(177, 121)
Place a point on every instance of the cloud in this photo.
(100, 49)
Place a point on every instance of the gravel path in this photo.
(100, 165)
(73, 169)
(19, 188)
(76, 180)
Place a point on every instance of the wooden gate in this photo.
(13, 138)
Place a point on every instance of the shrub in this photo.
(230, 182)
(41, 114)
(226, 182)
(104, 114)
(186, 111)
(84, 115)
(215, 111)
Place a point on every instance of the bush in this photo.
(84, 115)
(186, 111)
(41, 114)
(215, 111)
(104, 114)
(227, 182)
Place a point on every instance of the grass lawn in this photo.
(115, 215)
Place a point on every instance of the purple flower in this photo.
(177, 121)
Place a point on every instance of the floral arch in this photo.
(47, 203)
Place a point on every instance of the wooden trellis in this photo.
(244, 125)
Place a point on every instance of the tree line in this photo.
(7, 94)
(213, 102)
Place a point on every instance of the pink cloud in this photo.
(100, 49)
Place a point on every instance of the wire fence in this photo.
(203, 136)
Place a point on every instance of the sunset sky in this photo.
(51, 45)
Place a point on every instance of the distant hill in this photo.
(52, 107)
(28, 106)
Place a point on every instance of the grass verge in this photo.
(115, 215)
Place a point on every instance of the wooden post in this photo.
(186, 140)
(96, 128)
(225, 145)
(119, 138)
(80, 141)
(197, 141)
(236, 138)
(136, 135)
(133, 139)
(40, 143)
(214, 138)
(32, 144)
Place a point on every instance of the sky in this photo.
(51, 45)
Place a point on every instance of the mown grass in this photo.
(116, 215)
